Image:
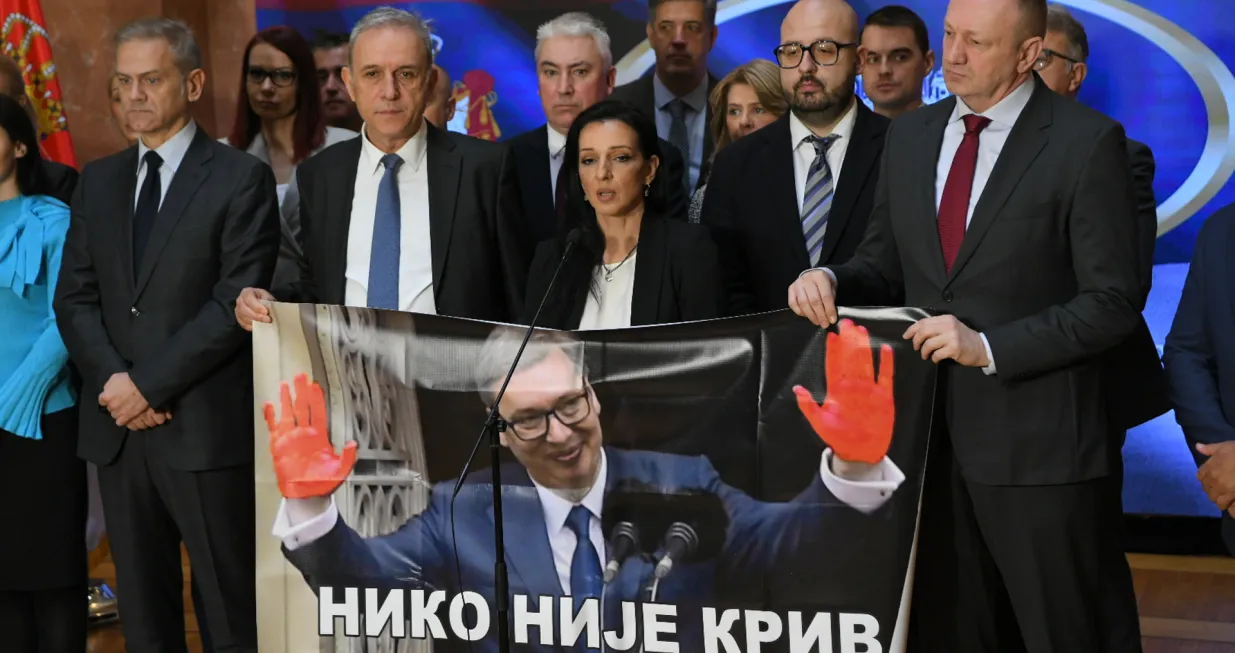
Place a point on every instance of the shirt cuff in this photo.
(298, 524)
(866, 487)
(826, 271)
(990, 357)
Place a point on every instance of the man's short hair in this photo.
(1033, 18)
(577, 23)
(502, 345)
(1061, 21)
(709, 10)
(898, 16)
(11, 77)
(323, 40)
(185, 51)
(391, 17)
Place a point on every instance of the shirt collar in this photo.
(412, 152)
(798, 131)
(1005, 112)
(172, 150)
(557, 509)
(557, 142)
(696, 99)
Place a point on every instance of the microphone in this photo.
(693, 522)
(681, 541)
(623, 543)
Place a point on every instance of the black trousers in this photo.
(1009, 569)
(43, 621)
(151, 508)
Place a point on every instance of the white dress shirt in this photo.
(696, 121)
(557, 152)
(415, 251)
(562, 540)
(612, 309)
(172, 152)
(804, 152)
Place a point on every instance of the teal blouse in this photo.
(33, 360)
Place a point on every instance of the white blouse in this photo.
(609, 307)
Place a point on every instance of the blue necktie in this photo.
(679, 136)
(384, 256)
(147, 210)
(817, 201)
(586, 577)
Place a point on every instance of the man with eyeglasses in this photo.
(553, 500)
(796, 194)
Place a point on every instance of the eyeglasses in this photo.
(823, 52)
(1044, 59)
(569, 411)
(280, 77)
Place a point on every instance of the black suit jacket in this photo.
(60, 180)
(478, 237)
(641, 94)
(1048, 271)
(677, 279)
(173, 326)
(531, 153)
(751, 207)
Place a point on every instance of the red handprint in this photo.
(857, 416)
(305, 462)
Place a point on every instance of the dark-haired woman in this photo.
(633, 265)
(43, 482)
(279, 120)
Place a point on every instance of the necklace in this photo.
(610, 270)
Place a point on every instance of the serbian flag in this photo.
(25, 40)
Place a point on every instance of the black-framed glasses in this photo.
(1044, 59)
(569, 411)
(279, 77)
(823, 52)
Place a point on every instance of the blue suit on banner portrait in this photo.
(764, 541)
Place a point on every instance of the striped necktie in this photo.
(817, 202)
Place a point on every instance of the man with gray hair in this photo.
(574, 66)
(163, 237)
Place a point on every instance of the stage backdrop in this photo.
(793, 454)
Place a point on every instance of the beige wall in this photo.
(81, 39)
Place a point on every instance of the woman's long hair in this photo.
(591, 249)
(309, 131)
(29, 168)
(761, 75)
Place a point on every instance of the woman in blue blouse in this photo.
(42, 481)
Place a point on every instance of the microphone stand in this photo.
(494, 426)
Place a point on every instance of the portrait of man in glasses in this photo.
(555, 496)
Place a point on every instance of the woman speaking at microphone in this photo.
(632, 266)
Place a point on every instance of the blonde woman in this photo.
(746, 100)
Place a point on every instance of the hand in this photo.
(253, 305)
(1217, 475)
(148, 420)
(122, 399)
(858, 414)
(305, 462)
(813, 297)
(944, 337)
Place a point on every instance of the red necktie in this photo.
(954, 205)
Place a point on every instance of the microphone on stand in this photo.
(681, 542)
(494, 424)
(623, 543)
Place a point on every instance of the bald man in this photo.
(810, 175)
(441, 107)
(60, 179)
(1007, 210)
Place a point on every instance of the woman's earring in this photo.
(646, 189)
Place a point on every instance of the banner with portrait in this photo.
(747, 484)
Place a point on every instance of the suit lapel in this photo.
(527, 538)
(776, 162)
(649, 273)
(922, 185)
(185, 183)
(1025, 143)
(336, 220)
(126, 180)
(860, 157)
(705, 168)
(445, 165)
(532, 157)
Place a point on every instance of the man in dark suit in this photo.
(797, 193)
(408, 217)
(675, 94)
(59, 178)
(163, 238)
(1007, 209)
(1200, 363)
(575, 69)
(565, 472)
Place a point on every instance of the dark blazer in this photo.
(677, 279)
(173, 327)
(751, 207)
(531, 153)
(1199, 352)
(60, 179)
(641, 94)
(479, 243)
(1048, 271)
